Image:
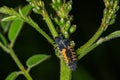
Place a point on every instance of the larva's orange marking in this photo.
(65, 56)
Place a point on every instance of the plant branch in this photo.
(36, 27)
(17, 61)
(19, 64)
(113, 35)
(4, 48)
(92, 40)
(108, 18)
(87, 50)
(20, 15)
(39, 8)
(49, 23)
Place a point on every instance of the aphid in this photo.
(66, 51)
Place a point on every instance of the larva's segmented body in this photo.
(66, 51)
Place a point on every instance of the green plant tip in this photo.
(72, 29)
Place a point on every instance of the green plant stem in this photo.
(94, 45)
(104, 25)
(106, 20)
(4, 48)
(37, 28)
(113, 35)
(42, 32)
(19, 64)
(87, 50)
(92, 40)
(49, 23)
(65, 72)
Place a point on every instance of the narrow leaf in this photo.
(12, 76)
(9, 11)
(17, 25)
(36, 59)
(113, 35)
(2, 39)
(9, 18)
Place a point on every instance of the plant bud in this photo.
(69, 6)
(72, 43)
(66, 34)
(67, 25)
(54, 1)
(72, 29)
(62, 20)
(59, 1)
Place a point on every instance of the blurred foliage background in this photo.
(103, 63)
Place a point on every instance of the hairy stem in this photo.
(92, 40)
(65, 72)
(37, 28)
(42, 32)
(88, 50)
(49, 23)
(19, 64)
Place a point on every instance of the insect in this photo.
(66, 51)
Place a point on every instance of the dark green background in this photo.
(103, 63)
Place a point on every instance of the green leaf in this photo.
(26, 10)
(12, 76)
(113, 35)
(3, 39)
(15, 29)
(36, 59)
(9, 18)
(17, 25)
(5, 25)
